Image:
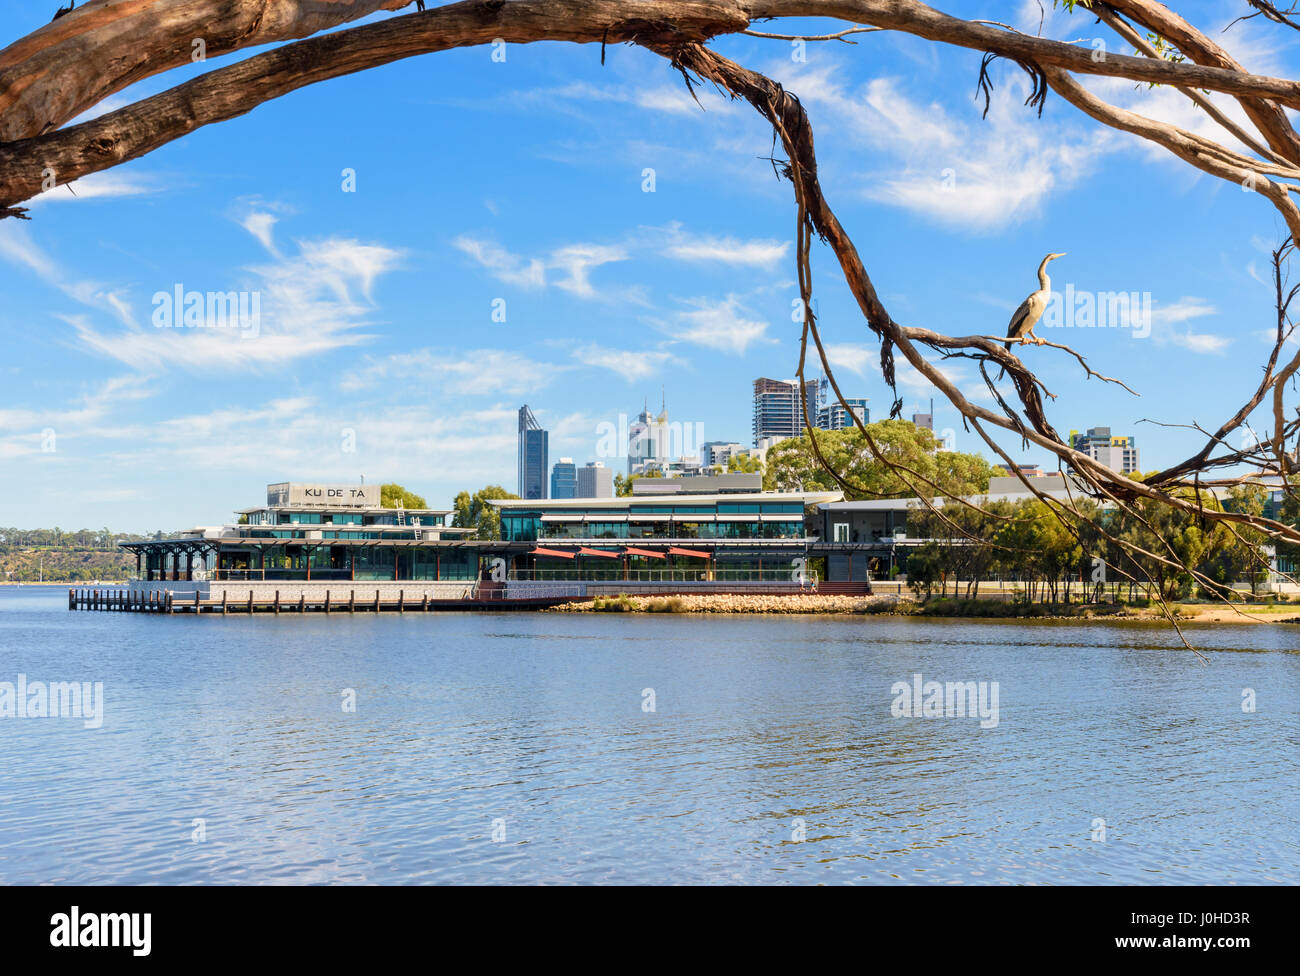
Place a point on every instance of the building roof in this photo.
(898, 504)
(623, 501)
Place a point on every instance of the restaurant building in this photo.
(721, 528)
(716, 529)
(315, 532)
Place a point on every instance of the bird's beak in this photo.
(1053, 257)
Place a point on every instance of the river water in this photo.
(558, 748)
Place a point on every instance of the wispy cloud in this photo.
(502, 265)
(473, 371)
(1166, 319)
(311, 303)
(106, 184)
(721, 325)
(684, 246)
(577, 261)
(631, 364)
(981, 174)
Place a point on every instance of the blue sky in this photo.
(377, 353)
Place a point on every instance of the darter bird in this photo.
(1032, 308)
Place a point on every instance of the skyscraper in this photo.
(595, 481)
(648, 442)
(777, 410)
(534, 455)
(564, 479)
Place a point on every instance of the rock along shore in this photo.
(734, 603)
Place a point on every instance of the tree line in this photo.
(1060, 560)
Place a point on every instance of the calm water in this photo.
(533, 724)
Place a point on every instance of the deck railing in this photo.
(593, 574)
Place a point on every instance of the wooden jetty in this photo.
(349, 598)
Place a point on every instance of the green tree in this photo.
(792, 465)
(474, 512)
(395, 496)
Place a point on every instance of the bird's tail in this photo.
(1003, 371)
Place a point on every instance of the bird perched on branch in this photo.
(1032, 308)
(63, 10)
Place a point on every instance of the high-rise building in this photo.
(534, 455)
(564, 479)
(595, 481)
(833, 416)
(648, 442)
(778, 412)
(718, 452)
(1119, 453)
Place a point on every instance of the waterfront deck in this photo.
(386, 596)
(352, 597)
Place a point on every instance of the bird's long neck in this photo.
(1044, 282)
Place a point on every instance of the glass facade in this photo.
(724, 521)
(741, 536)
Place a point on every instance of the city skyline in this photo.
(400, 330)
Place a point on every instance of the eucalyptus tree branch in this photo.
(1263, 113)
(1140, 43)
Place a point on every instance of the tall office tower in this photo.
(534, 455)
(648, 442)
(564, 479)
(777, 410)
(595, 481)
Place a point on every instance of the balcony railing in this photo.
(591, 573)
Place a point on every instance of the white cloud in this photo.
(503, 265)
(1201, 342)
(983, 174)
(725, 250)
(577, 261)
(18, 247)
(474, 371)
(669, 99)
(855, 358)
(628, 363)
(720, 325)
(262, 226)
(1166, 318)
(105, 184)
(22, 431)
(1183, 310)
(310, 303)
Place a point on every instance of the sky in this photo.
(433, 243)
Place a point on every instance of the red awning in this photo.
(539, 551)
(584, 551)
(674, 551)
(644, 552)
